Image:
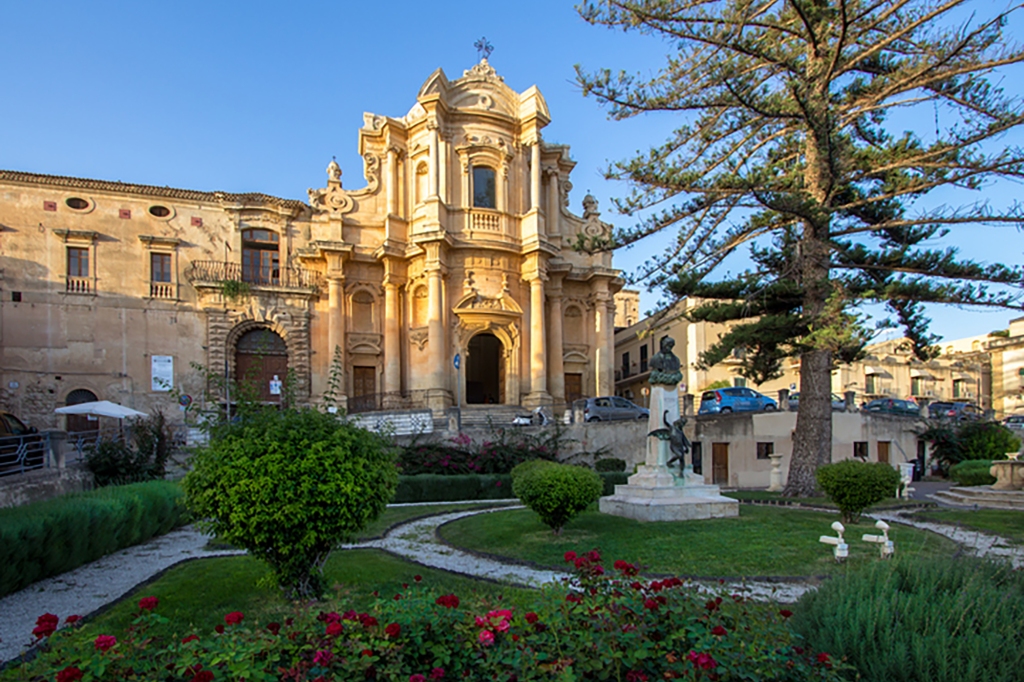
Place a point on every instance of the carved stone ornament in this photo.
(420, 337)
(482, 70)
(331, 198)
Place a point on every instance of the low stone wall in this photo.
(42, 484)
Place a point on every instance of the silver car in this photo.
(1014, 422)
(608, 408)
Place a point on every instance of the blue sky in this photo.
(258, 96)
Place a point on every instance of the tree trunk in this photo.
(812, 438)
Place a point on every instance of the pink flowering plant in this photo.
(461, 455)
(601, 624)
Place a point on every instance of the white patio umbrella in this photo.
(101, 408)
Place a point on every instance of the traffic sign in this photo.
(458, 360)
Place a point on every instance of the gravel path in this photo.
(90, 587)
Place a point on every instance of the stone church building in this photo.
(461, 243)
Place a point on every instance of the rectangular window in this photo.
(78, 262)
(765, 450)
(484, 187)
(697, 451)
(160, 267)
(916, 385)
(625, 364)
(959, 388)
(739, 382)
(860, 450)
(643, 358)
(869, 384)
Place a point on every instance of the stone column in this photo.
(775, 480)
(603, 353)
(538, 357)
(433, 167)
(552, 226)
(392, 337)
(336, 317)
(535, 176)
(556, 370)
(435, 329)
(393, 189)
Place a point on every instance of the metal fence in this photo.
(19, 454)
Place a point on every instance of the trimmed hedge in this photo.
(48, 538)
(854, 486)
(437, 488)
(610, 464)
(972, 472)
(557, 493)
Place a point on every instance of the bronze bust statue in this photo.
(665, 365)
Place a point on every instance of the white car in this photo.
(1015, 422)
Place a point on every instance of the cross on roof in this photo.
(483, 48)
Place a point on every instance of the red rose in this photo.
(274, 628)
(531, 617)
(368, 621)
(416, 677)
(486, 637)
(148, 603)
(573, 597)
(436, 673)
(203, 676)
(393, 630)
(46, 625)
(350, 615)
(785, 613)
(417, 578)
(569, 556)
(70, 620)
(825, 660)
(651, 605)
(718, 631)
(105, 642)
(323, 658)
(711, 605)
(367, 652)
(334, 629)
(219, 629)
(234, 618)
(190, 638)
(449, 601)
(69, 674)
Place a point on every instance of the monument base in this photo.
(642, 501)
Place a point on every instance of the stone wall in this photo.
(43, 484)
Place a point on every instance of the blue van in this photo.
(736, 399)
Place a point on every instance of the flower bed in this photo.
(606, 625)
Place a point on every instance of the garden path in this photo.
(89, 588)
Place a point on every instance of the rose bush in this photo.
(603, 624)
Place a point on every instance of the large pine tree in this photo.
(787, 145)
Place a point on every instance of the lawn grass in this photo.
(396, 515)
(196, 595)
(761, 541)
(1003, 522)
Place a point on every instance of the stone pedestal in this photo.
(654, 493)
(775, 484)
(1009, 475)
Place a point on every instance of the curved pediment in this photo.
(474, 302)
(484, 95)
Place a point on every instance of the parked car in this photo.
(894, 406)
(609, 408)
(21, 446)
(955, 411)
(1014, 422)
(794, 402)
(736, 399)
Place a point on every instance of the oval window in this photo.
(159, 211)
(76, 203)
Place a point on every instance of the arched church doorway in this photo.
(261, 364)
(80, 423)
(485, 370)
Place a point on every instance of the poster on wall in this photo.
(162, 372)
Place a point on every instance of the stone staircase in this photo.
(981, 496)
(491, 416)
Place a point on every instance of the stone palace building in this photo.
(459, 244)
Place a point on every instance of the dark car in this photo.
(736, 399)
(954, 411)
(838, 403)
(894, 406)
(609, 408)
(21, 446)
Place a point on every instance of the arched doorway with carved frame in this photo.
(490, 328)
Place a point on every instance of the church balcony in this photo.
(213, 274)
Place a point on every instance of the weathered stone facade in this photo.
(460, 243)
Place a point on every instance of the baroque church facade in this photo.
(460, 244)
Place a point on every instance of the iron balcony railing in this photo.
(215, 272)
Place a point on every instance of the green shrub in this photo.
(435, 488)
(935, 621)
(955, 443)
(43, 539)
(972, 472)
(854, 486)
(556, 492)
(457, 456)
(289, 486)
(143, 457)
(610, 464)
